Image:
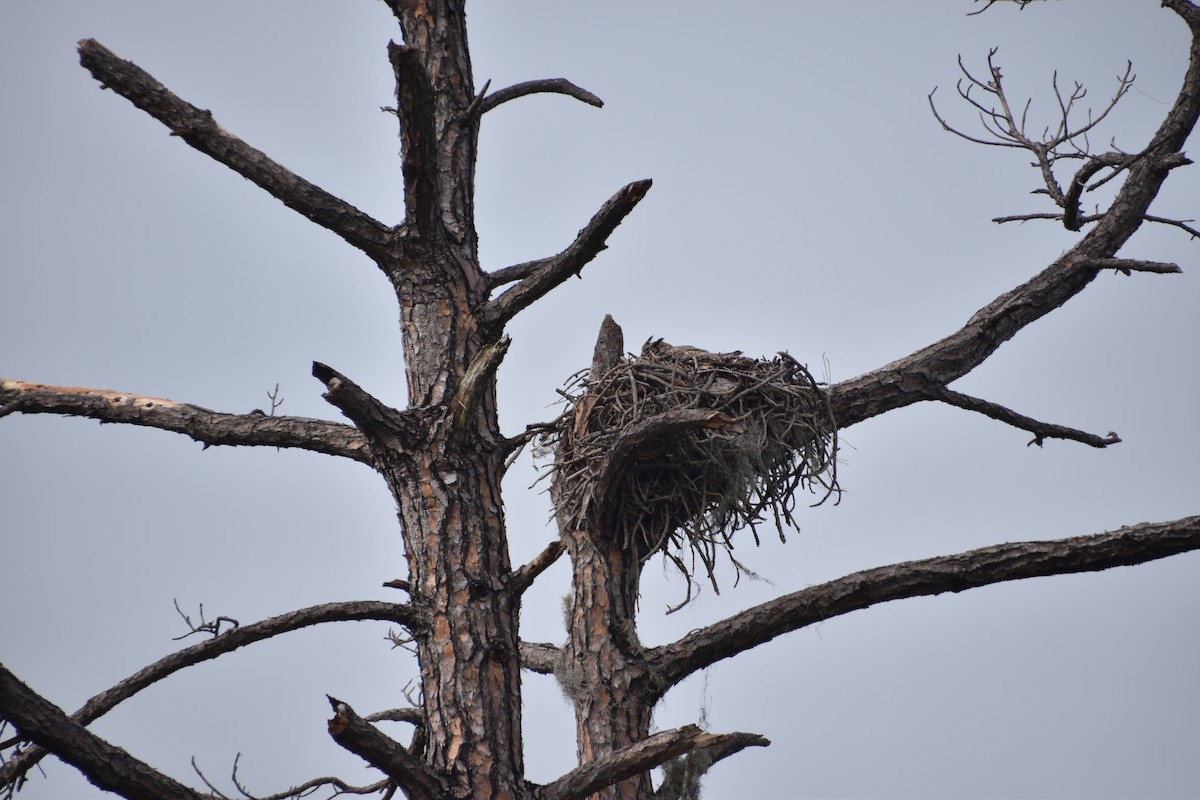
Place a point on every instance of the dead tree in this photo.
(667, 452)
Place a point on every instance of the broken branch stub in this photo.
(678, 448)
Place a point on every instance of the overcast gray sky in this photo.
(804, 200)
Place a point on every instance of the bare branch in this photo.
(106, 766)
(550, 85)
(1128, 265)
(367, 742)
(403, 428)
(1135, 544)
(1004, 129)
(198, 129)
(227, 642)
(414, 716)
(637, 758)
(1083, 220)
(1020, 5)
(540, 657)
(1072, 217)
(1040, 430)
(1176, 223)
(550, 272)
(516, 272)
(211, 627)
(524, 577)
(339, 786)
(201, 424)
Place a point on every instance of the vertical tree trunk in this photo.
(603, 670)
(448, 493)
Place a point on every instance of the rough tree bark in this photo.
(443, 458)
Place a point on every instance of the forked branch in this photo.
(641, 757)
(1135, 544)
(1004, 127)
(197, 128)
(947, 360)
(201, 424)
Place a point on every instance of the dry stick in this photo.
(201, 424)
(1040, 430)
(197, 128)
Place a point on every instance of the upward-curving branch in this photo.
(951, 358)
(196, 127)
(538, 278)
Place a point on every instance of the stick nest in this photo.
(678, 449)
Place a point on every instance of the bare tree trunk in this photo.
(602, 668)
(443, 461)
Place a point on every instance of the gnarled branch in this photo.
(201, 424)
(1182, 224)
(645, 755)
(1003, 129)
(1134, 544)
(197, 128)
(954, 356)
